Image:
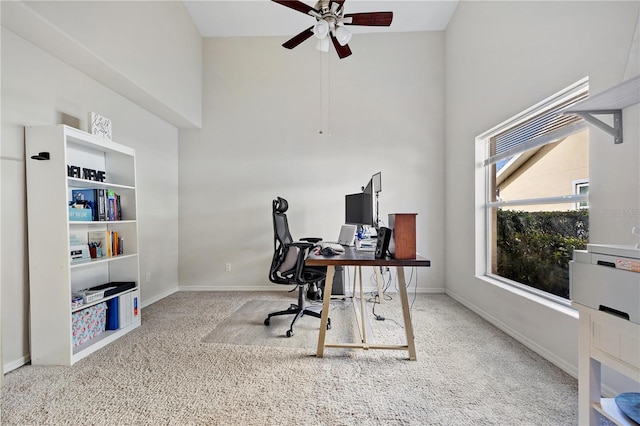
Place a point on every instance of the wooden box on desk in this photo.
(403, 235)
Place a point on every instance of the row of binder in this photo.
(123, 310)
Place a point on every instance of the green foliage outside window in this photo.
(534, 248)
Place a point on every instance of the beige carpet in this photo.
(467, 373)
(246, 326)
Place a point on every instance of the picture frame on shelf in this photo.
(100, 126)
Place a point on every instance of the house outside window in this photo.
(534, 169)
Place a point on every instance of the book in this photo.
(118, 208)
(102, 204)
(112, 209)
(115, 250)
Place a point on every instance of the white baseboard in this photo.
(367, 289)
(534, 346)
(157, 297)
(252, 288)
(16, 364)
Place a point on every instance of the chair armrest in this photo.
(311, 239)
(301, 245)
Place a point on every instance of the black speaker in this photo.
(382, 244)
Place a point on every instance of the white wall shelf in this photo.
(52, 276)
(610, 102)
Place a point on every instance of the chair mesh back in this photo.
(281, 228)
(284, 268)
(282, 237)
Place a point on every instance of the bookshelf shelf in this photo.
(93, 262)
(83, 183)
(95, 302)
(99, 222)
(53, 276)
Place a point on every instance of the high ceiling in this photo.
(224, 18)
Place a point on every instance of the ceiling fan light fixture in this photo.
(330, 16)
(323, 44)
(321, 29)
(342, 35)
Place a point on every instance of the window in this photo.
(581, 187)
(533, 172)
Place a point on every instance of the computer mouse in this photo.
(328, 251)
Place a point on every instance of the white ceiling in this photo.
(225, 18)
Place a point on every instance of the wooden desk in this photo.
(352, 257)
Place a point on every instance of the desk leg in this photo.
(363, 327)
(406, 313)
(379, 282)
(326, 302)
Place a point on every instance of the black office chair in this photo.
(287, 266)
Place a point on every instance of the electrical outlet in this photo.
(148, 277)
(227, 267)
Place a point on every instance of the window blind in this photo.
(549, 126)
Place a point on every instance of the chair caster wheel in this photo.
(267, 321)
(328, 323)
(289, 333)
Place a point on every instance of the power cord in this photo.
(376, 316)
(376, 297)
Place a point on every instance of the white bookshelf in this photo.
(53, 277)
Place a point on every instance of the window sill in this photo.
(547, 303)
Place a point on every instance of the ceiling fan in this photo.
(330, 22)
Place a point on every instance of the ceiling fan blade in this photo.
(296, 5)
(342, 51)
(296, 40)
(372, 19)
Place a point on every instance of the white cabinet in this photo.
(53, 276)
(615, 342)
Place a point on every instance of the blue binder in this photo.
(113, 316)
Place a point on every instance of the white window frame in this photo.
(576, 185)
(484, 205)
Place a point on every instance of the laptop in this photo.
(347, 235)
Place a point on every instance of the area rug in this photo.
(246, 326)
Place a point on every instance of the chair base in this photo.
(298, 310)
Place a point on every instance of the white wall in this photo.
(380, 109)
(148, 51)
(38, 89)
(501, 58)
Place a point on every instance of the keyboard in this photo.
(333, 246)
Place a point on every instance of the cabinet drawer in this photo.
(617, 339)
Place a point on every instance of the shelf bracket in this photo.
(615, 130)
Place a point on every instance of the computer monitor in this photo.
(353, 209)
(368, 209)
(359, 208)
(377, 182)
